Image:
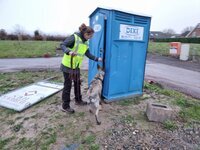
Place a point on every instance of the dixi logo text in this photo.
(131, 30)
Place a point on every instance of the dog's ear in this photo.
(100, 68)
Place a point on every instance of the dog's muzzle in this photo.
(92, 100)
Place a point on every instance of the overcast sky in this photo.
(65, 16)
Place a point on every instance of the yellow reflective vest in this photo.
(80, 48)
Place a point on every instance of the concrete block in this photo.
(158, 112)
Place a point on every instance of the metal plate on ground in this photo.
(25, 97)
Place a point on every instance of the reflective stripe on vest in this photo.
(80, 48)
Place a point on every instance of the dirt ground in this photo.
(124, 126)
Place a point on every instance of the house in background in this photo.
(182, 35)
(187, 34)
(158, 35)
(195, 32)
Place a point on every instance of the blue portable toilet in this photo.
(121, 39)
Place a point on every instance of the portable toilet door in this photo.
(121, 39)
(97, 43)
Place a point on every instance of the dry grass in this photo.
(44, 126)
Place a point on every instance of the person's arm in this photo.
(90, 56)
(67, 43)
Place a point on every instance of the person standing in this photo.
(75, 47)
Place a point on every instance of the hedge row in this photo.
(28, 37)
(182, 40)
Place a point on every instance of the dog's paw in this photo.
(100, 107)
(90, 111)
(99, 123)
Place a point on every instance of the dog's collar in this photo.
(99, 79)
(101, 72)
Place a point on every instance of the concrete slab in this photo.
(158, 112)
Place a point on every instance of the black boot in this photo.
(81, 103)
(68, 109)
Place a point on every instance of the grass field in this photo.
(163, 48)
(27, 49)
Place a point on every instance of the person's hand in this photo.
(100, 59)
(72, 53)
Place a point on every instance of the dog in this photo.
(94, 94)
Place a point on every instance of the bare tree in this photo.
(19, 31)
(37, 35)
(169, 31)
(3, 34)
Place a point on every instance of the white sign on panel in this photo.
(23, 98)
(128, 32)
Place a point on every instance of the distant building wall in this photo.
(195, 32)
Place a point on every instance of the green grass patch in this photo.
(25, 143)
(10, 122)
(152, 87)
(128, 119)
(130, 101)
(158, 47)
(90, 139)
(88, 142)
(94, 147)
(182, 102)
(6, 112)
(190, 108)
(195, 49)
(191, 113)
(77, 136)
(4, 142)
(155, 87)
(170, 125)
(47, 139)
(79, 114)
(162, 48)
(26, 49)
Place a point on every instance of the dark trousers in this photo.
(68, 86)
